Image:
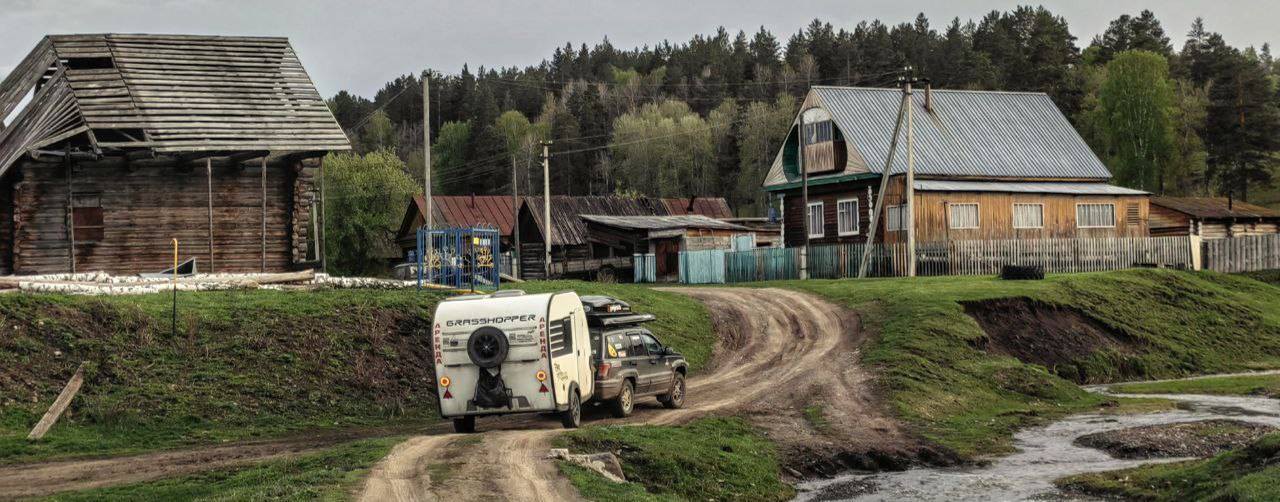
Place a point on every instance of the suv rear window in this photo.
(618, 346)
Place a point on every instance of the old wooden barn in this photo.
(113, 145)
(1211, 217)
(989, 166)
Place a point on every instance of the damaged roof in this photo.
(569, 228)
(172, 94)
(962, 134)
(1214, 207)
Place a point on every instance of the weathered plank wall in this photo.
(145, 206)
(6, 225)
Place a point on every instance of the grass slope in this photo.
(709, 459)
(332, 474)
(1247, 474)
(1242, 385)
(972, 401)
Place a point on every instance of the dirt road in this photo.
(780, 351)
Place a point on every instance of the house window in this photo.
(815, 219)
(964, 215)
(895, 218)
(1028, 216)
(847, 217)
(86, 216)
(817, 132)
(1095, 215)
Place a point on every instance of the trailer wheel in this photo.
(487, 347)
(625, 402)
(572, 417)
(675, 397)
(464, 425)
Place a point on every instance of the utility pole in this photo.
(804, 194)
(425, 260)
(546, 208)
(884, 187)
(515, 227)
(911, 177)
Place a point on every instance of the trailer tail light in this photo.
(541, 376)
(444, 382)
(603, 371)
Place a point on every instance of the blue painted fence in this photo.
(702, 267)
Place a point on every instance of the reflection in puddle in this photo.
(1044, 454)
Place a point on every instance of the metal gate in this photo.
(460, 257)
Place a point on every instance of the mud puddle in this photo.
(1044, 454)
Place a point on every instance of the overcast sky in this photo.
(359, 45)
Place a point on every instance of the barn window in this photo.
(847, 216)
(86, 216)
(1095, 215)
(815, 220)
(1028, 216)
(964, 215)
(895, 218)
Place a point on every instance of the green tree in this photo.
(378, 133)
(449, 158)
(364, 200)
(665, 150)
(1134, 106)
(764, 125)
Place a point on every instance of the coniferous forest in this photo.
(1170, 109)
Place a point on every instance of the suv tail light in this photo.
(603, 371)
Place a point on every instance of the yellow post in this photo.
(175, 262)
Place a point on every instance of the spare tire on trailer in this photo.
(487, 347)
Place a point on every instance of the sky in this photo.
(359, 45)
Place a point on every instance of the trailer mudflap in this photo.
(491, 391)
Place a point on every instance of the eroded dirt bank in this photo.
(780, 353)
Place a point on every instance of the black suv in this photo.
(629, 361)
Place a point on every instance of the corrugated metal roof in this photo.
(569, 228)
(1214, 207)
(985, 134)
(662, 222)
(1075, 188)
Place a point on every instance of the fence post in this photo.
(1196, 243)
(804, 262)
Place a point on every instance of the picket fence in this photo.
(1242, 254)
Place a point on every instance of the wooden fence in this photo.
(1242, 254)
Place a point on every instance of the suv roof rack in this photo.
(616, 320)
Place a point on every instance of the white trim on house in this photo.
(852, 214)
(892, 212)
(1028, 204)
(1080, 222)
(821, 232)
(973, 222)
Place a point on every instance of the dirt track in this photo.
(779, 352)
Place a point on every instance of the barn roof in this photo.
(571, 230)
(463, 211)
(1214, 207)
(970, 134)
(662, 222)
(171, 94)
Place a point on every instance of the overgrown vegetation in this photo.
(240, 365)
(710, 459)
(331, 474)
(1242, 385)
(367, 197)
(1247, 474)
(962, 397)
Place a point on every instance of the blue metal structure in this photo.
(461, 257)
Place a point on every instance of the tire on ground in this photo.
(622, 405)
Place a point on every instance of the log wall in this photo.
(145, 206)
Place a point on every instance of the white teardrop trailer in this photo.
(510, 352)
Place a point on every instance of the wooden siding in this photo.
(6, 225)
(995, 215)
(1166, 221)
(145, 206)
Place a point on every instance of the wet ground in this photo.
(1045, 454)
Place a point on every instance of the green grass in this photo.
(709, 459)
(1243, 385)
(240, 365)
(1245, 474)
(332, 474)
(816, 417)
(683, 323)
(972, 401)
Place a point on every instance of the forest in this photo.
(1170, 114)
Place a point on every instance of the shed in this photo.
(113, 145)
(1211, 217)
(663, 236)
(491, 211)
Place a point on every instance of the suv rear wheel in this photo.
(464, 425)
(626, 400)
(675, 397)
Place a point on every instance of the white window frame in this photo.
(977, 215)
(853, 217)
(888, 220)
(820, 231)
(1014, 214)
(1113, 214)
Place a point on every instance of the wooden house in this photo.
(491, 211)
(1211, 217)
(988, 165)
(572, 252)
(665, 236)
(114, 145)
